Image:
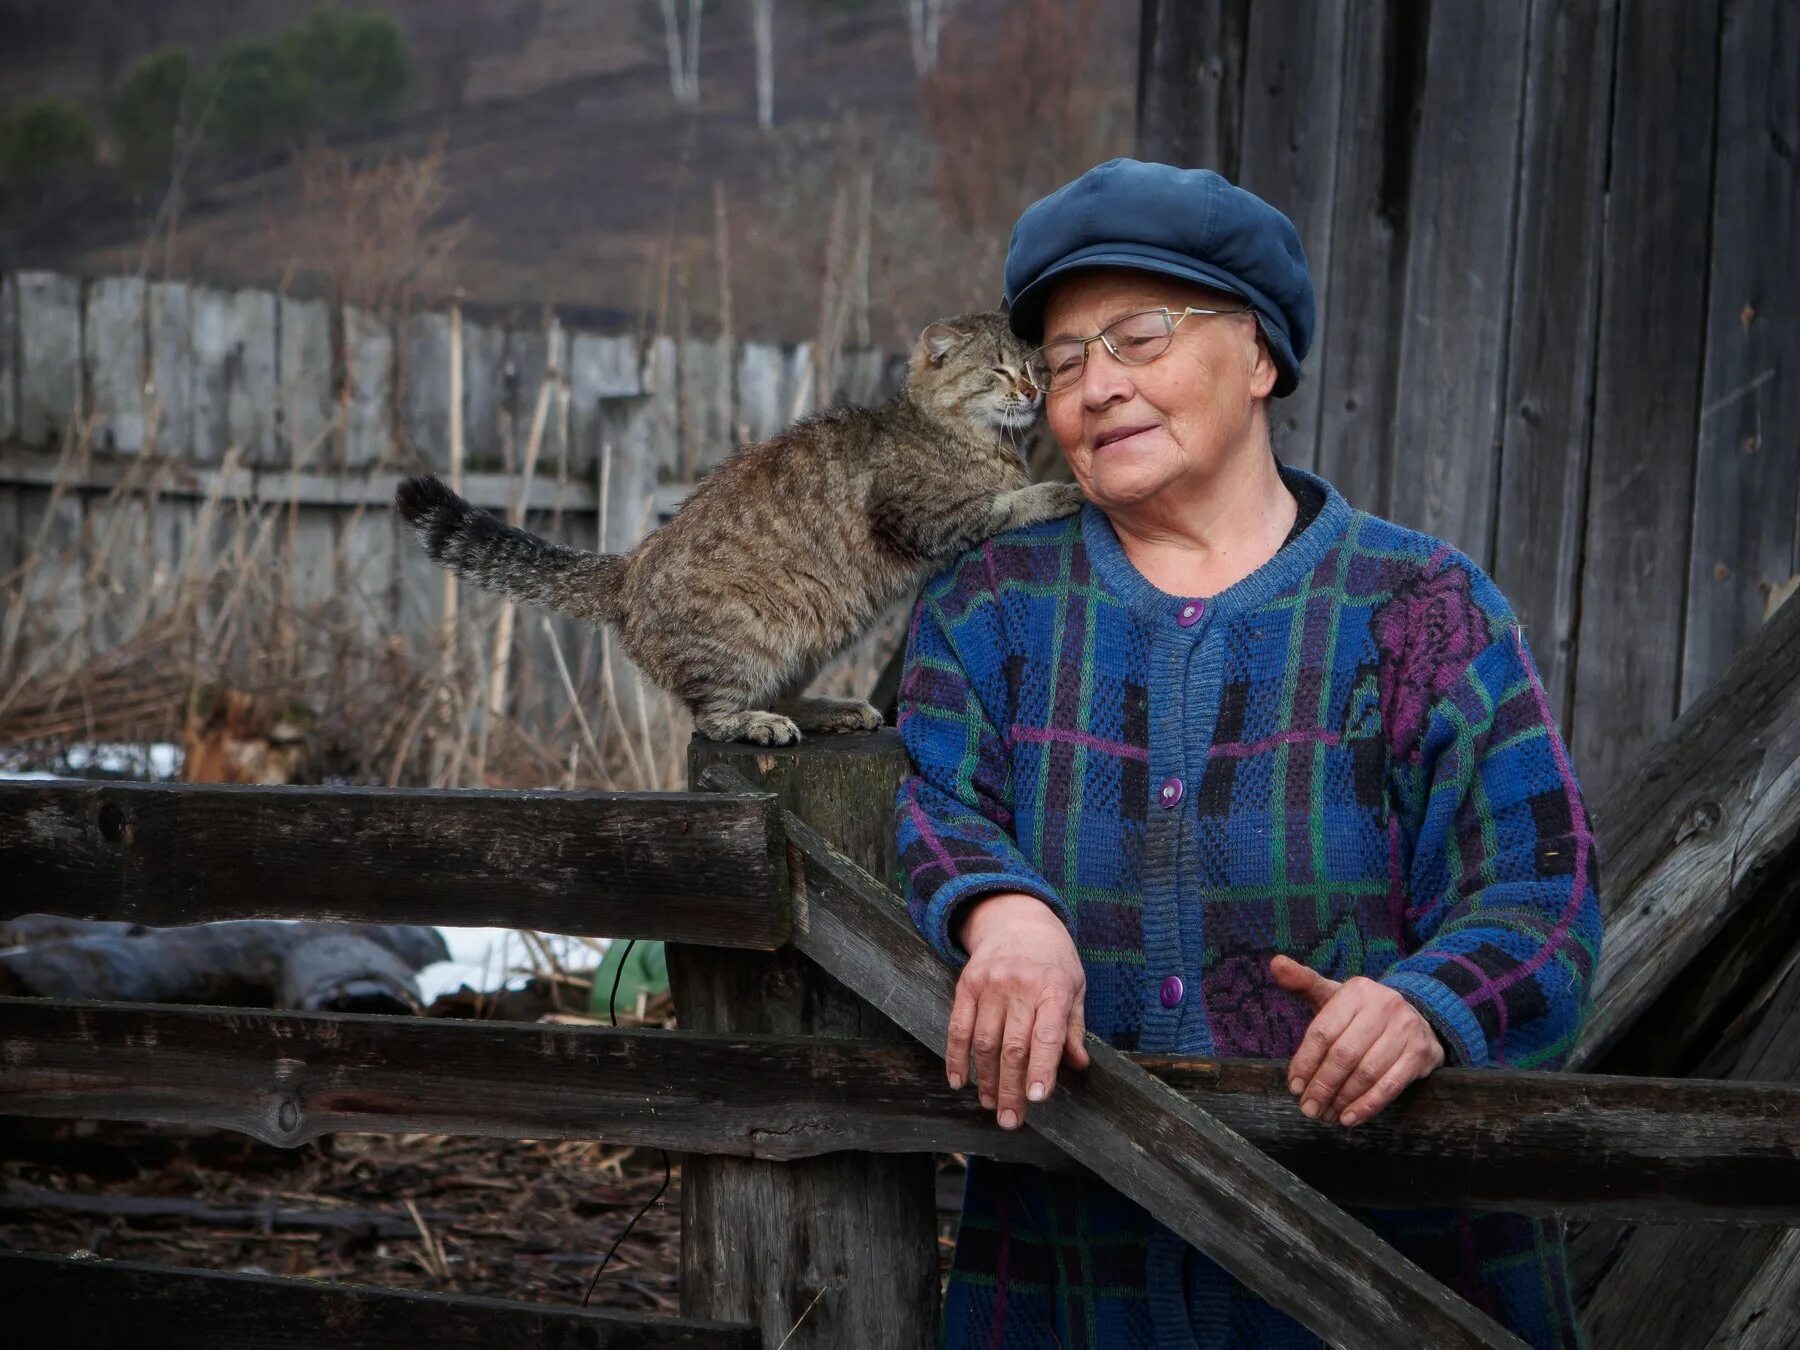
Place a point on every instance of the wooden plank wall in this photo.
(1559, 325)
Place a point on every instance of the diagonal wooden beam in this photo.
(1700, 844)
(1205, 1182)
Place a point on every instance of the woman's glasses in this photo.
(1135, 340)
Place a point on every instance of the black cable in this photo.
(612, 1009)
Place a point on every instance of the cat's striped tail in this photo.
(507, 560)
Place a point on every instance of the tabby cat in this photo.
(786, 553)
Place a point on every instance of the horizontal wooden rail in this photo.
(1645, 1149)
(689, 867)
(130, 1305)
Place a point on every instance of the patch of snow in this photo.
(487, 959)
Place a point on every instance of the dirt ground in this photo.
(518, 1219)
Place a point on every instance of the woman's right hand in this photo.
(1018, 1004)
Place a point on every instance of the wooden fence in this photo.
(809, 1116)
(1553, 243)
(322, 406)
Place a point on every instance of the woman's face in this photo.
(1132, 432)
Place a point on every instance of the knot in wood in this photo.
(287, 1115)
(112, 822)
(1702, 818)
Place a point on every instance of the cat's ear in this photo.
(938, 339)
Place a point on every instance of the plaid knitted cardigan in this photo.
(1347, 757)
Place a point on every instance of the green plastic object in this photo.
(646, 972)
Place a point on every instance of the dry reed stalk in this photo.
(519, 494)
(456, 474)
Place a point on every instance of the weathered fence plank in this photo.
(236, 381)
(112, 341)
(425, 408)
(1451, 368)
(1206, 1183)
(1647, 382)
(759, 1241)
(369, 388)
(1555, 314)
(169, 311)
(1293, 86)
(1699, 842)
(48, 356)
(308, 403)
(1643, 1149)
(130, 1305)
(1747, 484)
(652, 865)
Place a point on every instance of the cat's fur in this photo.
(789, 550)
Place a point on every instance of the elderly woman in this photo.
(1222, 766)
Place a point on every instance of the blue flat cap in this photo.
(1186, 223)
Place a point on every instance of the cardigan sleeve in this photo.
(1503, 906)
(953, 813)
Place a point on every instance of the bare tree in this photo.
(762, 16)
(924, 18)
(684, 51)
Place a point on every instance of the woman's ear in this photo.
(1263, 371)
(938, 338)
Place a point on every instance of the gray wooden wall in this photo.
(326, 407)
(1556, 251)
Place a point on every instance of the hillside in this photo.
(571, 174)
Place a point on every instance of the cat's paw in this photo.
(767, 728)
(1060, 499)
(754, 726)
(838, 716)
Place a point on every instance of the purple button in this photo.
(1189, 614)
(1170, 792)
(1172, 991)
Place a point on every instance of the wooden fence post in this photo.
(836, 1250)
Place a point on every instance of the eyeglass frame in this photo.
(1169, 317)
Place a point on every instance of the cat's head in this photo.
(971, 370)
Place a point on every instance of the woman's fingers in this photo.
(1049, 1032)
(1340, 1058)
(962, 1031)
(1015, 1055)
(990, 1033)
(1075, 1043)
(1327, 1025)
(1389, 1046)
(1413, 1064)
(1423, 1053)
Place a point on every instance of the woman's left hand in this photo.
(1365, 1044)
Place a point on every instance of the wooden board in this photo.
(1364, 311)
(1191, 82)
(648, 865)
(1458, 277)
(1747, 486)
(1293, 86)
(130, 1305)
(1555, 304)
(1647, 383)
(1205, 1182)
(761, 1241)
(1645, 1149)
